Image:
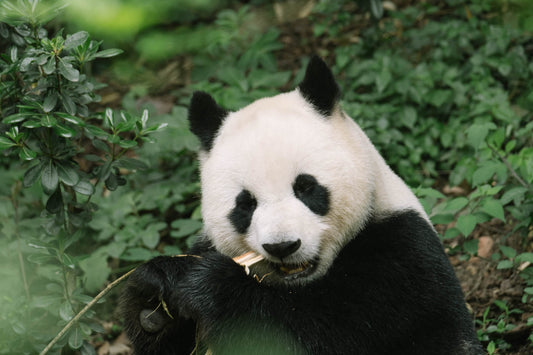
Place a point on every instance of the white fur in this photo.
(263, 147)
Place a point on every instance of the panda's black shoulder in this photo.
(401, 244)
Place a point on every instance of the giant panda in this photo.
(352, 264)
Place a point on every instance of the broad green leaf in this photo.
(48, 121)
(131, 164)
(54, 204)
(494, 208)
(32, 124)
(65, 311)
(50, 102)
(74, 40)
(95, 270)
(376, 7)
(106, 53)
(50, 65)
(185, 227)
(67, 174)
(100, 145)
(508, 251)
(477, 133)
(524, 257)
(75, 338)
(32, 174)
(6, 143)
(466, 224)
(96, 131)
(84, 188)
(49, 177)
(383, 79)
(136, 254)
(109, 117)
(471, 246)
(68, 71)
(150, 238)
(17, 117)
(127, 144)
(111, 183)
(64, 131)
(71, 119)
(456, 204)
(505, 264)
(68, 104)
(27, 154)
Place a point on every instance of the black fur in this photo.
(205, 118)
(391, 290)
(315, 196)
(319, 87)
(241, 215)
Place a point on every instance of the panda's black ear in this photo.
(205, 118)
(319, 87)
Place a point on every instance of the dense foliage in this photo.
(443, 88)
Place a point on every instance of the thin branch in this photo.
(84, 310)
(509, 167)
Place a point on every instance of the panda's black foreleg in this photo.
(153, 324)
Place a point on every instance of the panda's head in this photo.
(289, 177)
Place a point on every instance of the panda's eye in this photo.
(315, 196)
(241, 214)
(304, 185)
(245, 201)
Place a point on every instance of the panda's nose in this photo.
(283, 249)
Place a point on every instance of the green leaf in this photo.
(32, 174)
(471, 246)
(49, 177)
(17, 117)
(64, 131)
(524, 257)
(48, 121)
(111, 183)
(508, 251)
(106, 53)
(96, 271)
(136, 254)
(27, 154)
(127, 144)
(494, 208)
(50, 102)
(505, 264)
(131, 164)
(96, 131)
(84, 188)
(75, 338)
(100, 145)
(477, 133)
(383, 79)
(456, 204)
(68, 71)
(74, 40)
(6, 143)
(50, 66)
(54, 204)
(185, 227)
(65, 311)
(71, 119)
(67, 174)
(376, 7)
(68, 104)
(466, 224)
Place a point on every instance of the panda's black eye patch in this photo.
(241, 215)
(315, 196)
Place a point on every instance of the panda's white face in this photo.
(283, 181)
(290, 177)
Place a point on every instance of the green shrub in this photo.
(53, 145)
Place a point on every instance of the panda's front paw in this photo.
(151, 318)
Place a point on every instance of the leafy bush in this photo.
(49, 135)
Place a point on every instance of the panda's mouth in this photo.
(294, 271)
